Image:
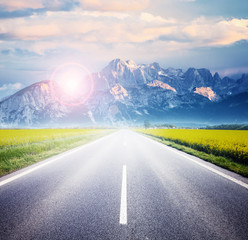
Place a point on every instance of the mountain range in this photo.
(128, 94)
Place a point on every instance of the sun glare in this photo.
(72, 84)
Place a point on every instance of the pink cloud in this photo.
(78, 28)
(20, 4)
(114, 5)
(213, 33)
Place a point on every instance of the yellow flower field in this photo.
(228, 143)
(22, 147)
(13, 137)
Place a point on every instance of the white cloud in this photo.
(148, 17)
(109, 14)
(10, 87)
(217, 33)
(233, 71)
(84, 30)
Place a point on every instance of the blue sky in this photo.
(38, 35)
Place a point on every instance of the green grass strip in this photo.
(23, 155)
(217, 160)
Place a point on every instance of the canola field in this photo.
(232, 144)
(10, 138)
(21, 148)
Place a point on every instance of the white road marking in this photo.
(32, 169)
(123, 209)
(245, 185)
(8, 180)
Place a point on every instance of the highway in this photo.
(123, 186)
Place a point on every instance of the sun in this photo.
(72, 84)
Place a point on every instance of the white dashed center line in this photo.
(123, 209)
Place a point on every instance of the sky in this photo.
(36, 36)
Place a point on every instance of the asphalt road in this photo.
(123, 186)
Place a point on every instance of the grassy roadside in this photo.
(217, 160)
(23, 155)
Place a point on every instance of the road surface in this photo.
(123, 186)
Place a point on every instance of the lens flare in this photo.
(72, 84)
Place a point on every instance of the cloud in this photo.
(21, 4)
(214, 33)
(82, 30)
(233, 71)
(18, 52)
(55, 5)
(187, 0)
(86, 26)
(19, 13)
(25, 8)
(11, 87)
(114, 5)
(148, 17)
(109, 14)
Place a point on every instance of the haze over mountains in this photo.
(128, 94)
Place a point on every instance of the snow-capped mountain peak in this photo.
(206, 92)
(160, 84)
(126, 92)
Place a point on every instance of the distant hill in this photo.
(229, 127)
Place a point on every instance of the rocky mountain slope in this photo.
(127, 93)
